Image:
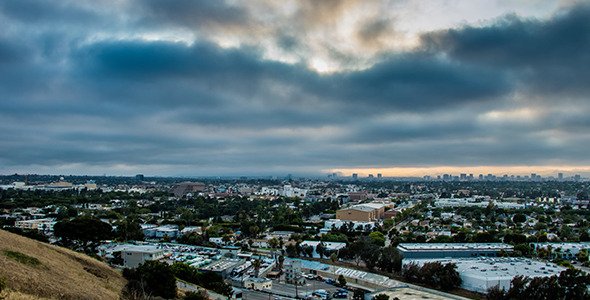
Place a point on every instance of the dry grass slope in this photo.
(61, 274)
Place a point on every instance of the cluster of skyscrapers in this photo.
(505, 177)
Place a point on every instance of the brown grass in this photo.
(12, 295)
(62, 273)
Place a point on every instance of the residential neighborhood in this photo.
(256, 235)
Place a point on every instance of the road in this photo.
(193, 288)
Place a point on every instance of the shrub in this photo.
(2, 284)
(22, 258)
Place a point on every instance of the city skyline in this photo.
(200, 88)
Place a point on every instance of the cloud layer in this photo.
(214, 88)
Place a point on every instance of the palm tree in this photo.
(334, 259)
(273, 243)
(256, 263)
(281, 261)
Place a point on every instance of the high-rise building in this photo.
(139, 177)
(379, 176)
(463, 176)
(560, 176)
(355, 176)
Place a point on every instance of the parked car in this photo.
(341, 293)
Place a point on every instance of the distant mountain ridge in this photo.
(36, 270)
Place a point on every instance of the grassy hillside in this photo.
(46, 271)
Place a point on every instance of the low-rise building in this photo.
(185, 188)
(330, 246)
(563, 250)
(408, 292)
(480, 274)
(336, 224)
(39, 224)
(368, 212)
(258, 284)
(159, 232)
(223, 267)
(448, 250)
(135, 255)
(293, 272)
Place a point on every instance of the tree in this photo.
(190, 295)
(582, 256)
(83, 233)
(129, 230)
(495, 293)
(153, 278)
(411, 272)
(256, 263)
(291, 250)
(449, 277)
(575, 284)
(378, 238)
(519, 218)
(341, 280)
(320, 249)
(273, 243)
(390, 260)
(381, 297)
(358, 295)
(518, 288)
(307, 250)
(281, 261)
(184, 272)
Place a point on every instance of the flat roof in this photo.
(453, 246)
(497, 268)
(410, 293)
(137, 248)
(222, 265)
(564, 246)
(377, 279)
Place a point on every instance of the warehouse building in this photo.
(480, 274)
(450, 250)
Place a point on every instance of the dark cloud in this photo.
(371, 33)
(197, 15)
(417, 82)
(12, 53)
(549, 56)
(513, 92)
(53, 11)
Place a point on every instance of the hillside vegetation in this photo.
(35, 270)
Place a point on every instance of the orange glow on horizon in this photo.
(543, 171)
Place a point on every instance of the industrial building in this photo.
(412, 292)
(449, 250)
(330, 246)
(185, 188)
(563, 250)
(293, 272)
(258, 284)
(135, 255)
(39, 224)
(367, 212)
(480, 274)
(223, 267)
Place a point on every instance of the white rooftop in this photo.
(497, 268)
(454, 246)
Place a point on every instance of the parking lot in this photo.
(306, 290)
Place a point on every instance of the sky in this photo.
(307, 87)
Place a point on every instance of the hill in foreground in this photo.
(46, 271)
